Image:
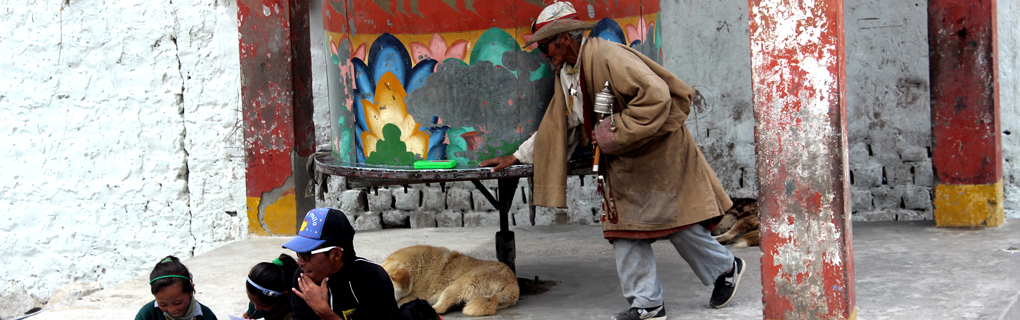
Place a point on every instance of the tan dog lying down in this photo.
(447, 278)
(739, 225)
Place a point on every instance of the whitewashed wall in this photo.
(1009, 105)
(122, 141)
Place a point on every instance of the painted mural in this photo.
(449, 79)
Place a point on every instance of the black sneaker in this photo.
(726, 285)
(655, 313)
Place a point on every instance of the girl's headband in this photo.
(267, 292)
(169, 276)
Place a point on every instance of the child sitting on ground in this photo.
(171, 284)
(268, 286)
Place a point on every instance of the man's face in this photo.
(553, 49)
(321, 265)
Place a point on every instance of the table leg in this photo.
(506, 248)
(506, 251)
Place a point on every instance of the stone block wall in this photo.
(887, 99)
(713, 55)
(888, 107)
(456, 204)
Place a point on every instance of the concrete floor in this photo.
(904, 270)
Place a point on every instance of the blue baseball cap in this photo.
(321, 225)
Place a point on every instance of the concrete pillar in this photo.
(276, 95)
(799, 85)
(967, 153)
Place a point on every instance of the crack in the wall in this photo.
(60, 44)
(179, 100)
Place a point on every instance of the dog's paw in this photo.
(439, 309)
(724, 239)
(740, 244)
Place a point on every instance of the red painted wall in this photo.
(438, 16)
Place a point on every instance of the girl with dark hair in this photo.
(268, 287)
(171, 284)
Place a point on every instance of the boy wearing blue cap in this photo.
(332, 282)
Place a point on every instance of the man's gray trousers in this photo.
(635, 263)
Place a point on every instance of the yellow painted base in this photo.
(280, 217)
(254, 225)
(969, 205)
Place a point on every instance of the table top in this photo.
(358, 177)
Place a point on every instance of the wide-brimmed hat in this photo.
(556, 18)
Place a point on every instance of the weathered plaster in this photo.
(1008, 20)
(124, 143)
(799, 81)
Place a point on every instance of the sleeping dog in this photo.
(447, 278)
(739, 225)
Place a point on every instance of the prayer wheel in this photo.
(417, 80)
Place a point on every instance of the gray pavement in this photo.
(904, 270)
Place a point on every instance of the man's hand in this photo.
(500, 163)
(595, 140)
(316, 296)
(604, 138)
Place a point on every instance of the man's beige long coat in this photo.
(659, 178)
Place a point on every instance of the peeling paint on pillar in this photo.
(801, 140)
(966, 138)
(276, 109)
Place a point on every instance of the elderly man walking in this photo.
(657, 182)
